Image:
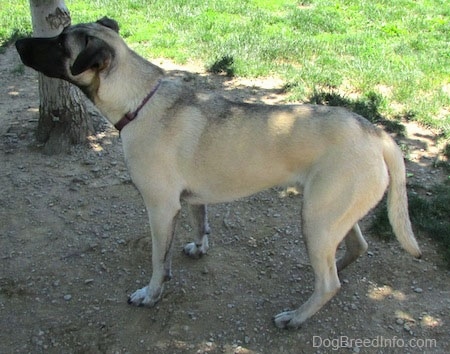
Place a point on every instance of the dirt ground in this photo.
(74, 243)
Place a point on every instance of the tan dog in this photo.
(206, 149)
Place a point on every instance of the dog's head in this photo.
(79, 54)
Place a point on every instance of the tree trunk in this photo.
(63, 117)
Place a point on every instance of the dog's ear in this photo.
(110, 23)
(97, 55)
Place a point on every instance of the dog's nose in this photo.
(23, 48)
(20, 45)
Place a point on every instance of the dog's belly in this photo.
(226, 188)
(218, 196)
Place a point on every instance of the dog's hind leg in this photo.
(327, 216)
(321, 252)
(355, 246)
(163, 221)
(199, 216)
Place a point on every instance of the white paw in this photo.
(194, 251)
(145, 297)
(286, 320)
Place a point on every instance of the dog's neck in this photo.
(138, 78)
(130, 116)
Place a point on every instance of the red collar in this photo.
(130, 116)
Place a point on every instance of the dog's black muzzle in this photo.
(46, 55)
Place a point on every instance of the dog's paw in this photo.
(286, 320)
(144, 297)
(194, 251)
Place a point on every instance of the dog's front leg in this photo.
(163, 222)
(199, 216)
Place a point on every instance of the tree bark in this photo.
(63, 117)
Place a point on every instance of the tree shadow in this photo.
(367, 106)
(218, 78)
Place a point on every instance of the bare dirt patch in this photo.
(74, 243)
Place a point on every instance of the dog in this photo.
(179, 145)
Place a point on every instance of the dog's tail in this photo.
(397, 202)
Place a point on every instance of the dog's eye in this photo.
(61, 45)
(60, 42)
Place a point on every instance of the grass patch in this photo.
(224, 65)
(15, 21)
